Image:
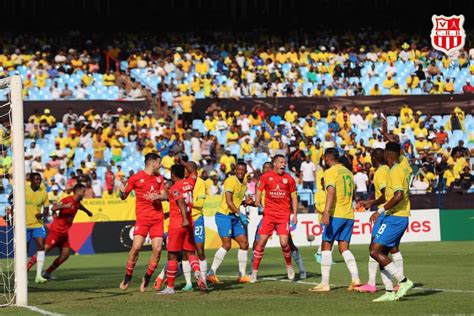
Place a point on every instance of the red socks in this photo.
(171, 272)
(287, 254)
(130, 267)
(257, 257)
(194, 262)
(31, 263)
(56, 263)
(151, 268)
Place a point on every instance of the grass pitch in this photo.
(442, 271)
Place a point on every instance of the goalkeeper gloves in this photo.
(243, 219)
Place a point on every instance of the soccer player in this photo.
(36, 198)
(197, 213)
(392, 227)
(58, 232)
(295, 253)
(230, 224)
(380, 183)
(180, 230)
(280, 201)
(338, 219)
(149, 192)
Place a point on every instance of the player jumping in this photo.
(338, 219)
(230, 224)
(58, 232)
(392, 227)
(280, 190)
(180, 230)
(149, 192)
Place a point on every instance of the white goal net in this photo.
(13, 280)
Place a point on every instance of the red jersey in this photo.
(145, 185)
(62, 222)
(278, 189)
(182, 189)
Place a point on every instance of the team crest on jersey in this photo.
(141, 180)
(176, 193)
(270, 178)
(448, 35)
(158, 179)
(285, 180)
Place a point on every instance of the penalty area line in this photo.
(335, 285)
(40, 311)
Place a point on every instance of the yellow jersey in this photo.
(34, 201)
(398, 181)
(199, 196)
(340, 178)
(320, 202)
(380, 180)
(232, 184)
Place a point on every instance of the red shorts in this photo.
(181, 238)
(271, 224)
(57, 239)
(152, 227)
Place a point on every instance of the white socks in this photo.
(394, 272)
(163, 271)
(326, 262)
(242, 258)
(218, 258)
(386, 279)
(373, 265)
(40, 255)
(398, 261)
(203, 268)
(186, 271)
(351, 264)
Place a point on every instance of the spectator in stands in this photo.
(466, 179)
(433, 69)
(467, 88)
(308, 173)
(135, 92)
(186, 102)
(463, 151)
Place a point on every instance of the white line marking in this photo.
(335, 285)
(41, 311)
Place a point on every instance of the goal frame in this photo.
(19, 207)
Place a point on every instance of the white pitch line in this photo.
(335, 285)
(41, 311)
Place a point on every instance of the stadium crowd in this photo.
(101, 151)
(254, 64)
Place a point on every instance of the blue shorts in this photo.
(199, 230)
(377, 224)
(339, 229)
(257, 235)
(391, 230)
(229, 225)
(38, 232)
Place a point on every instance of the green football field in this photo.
(443, 273)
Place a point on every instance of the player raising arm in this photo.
(149, 192)
(280, 201)
(393, 225)
(58, 233)
(338, 219)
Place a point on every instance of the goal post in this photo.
(14, 109)
(17, 126)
